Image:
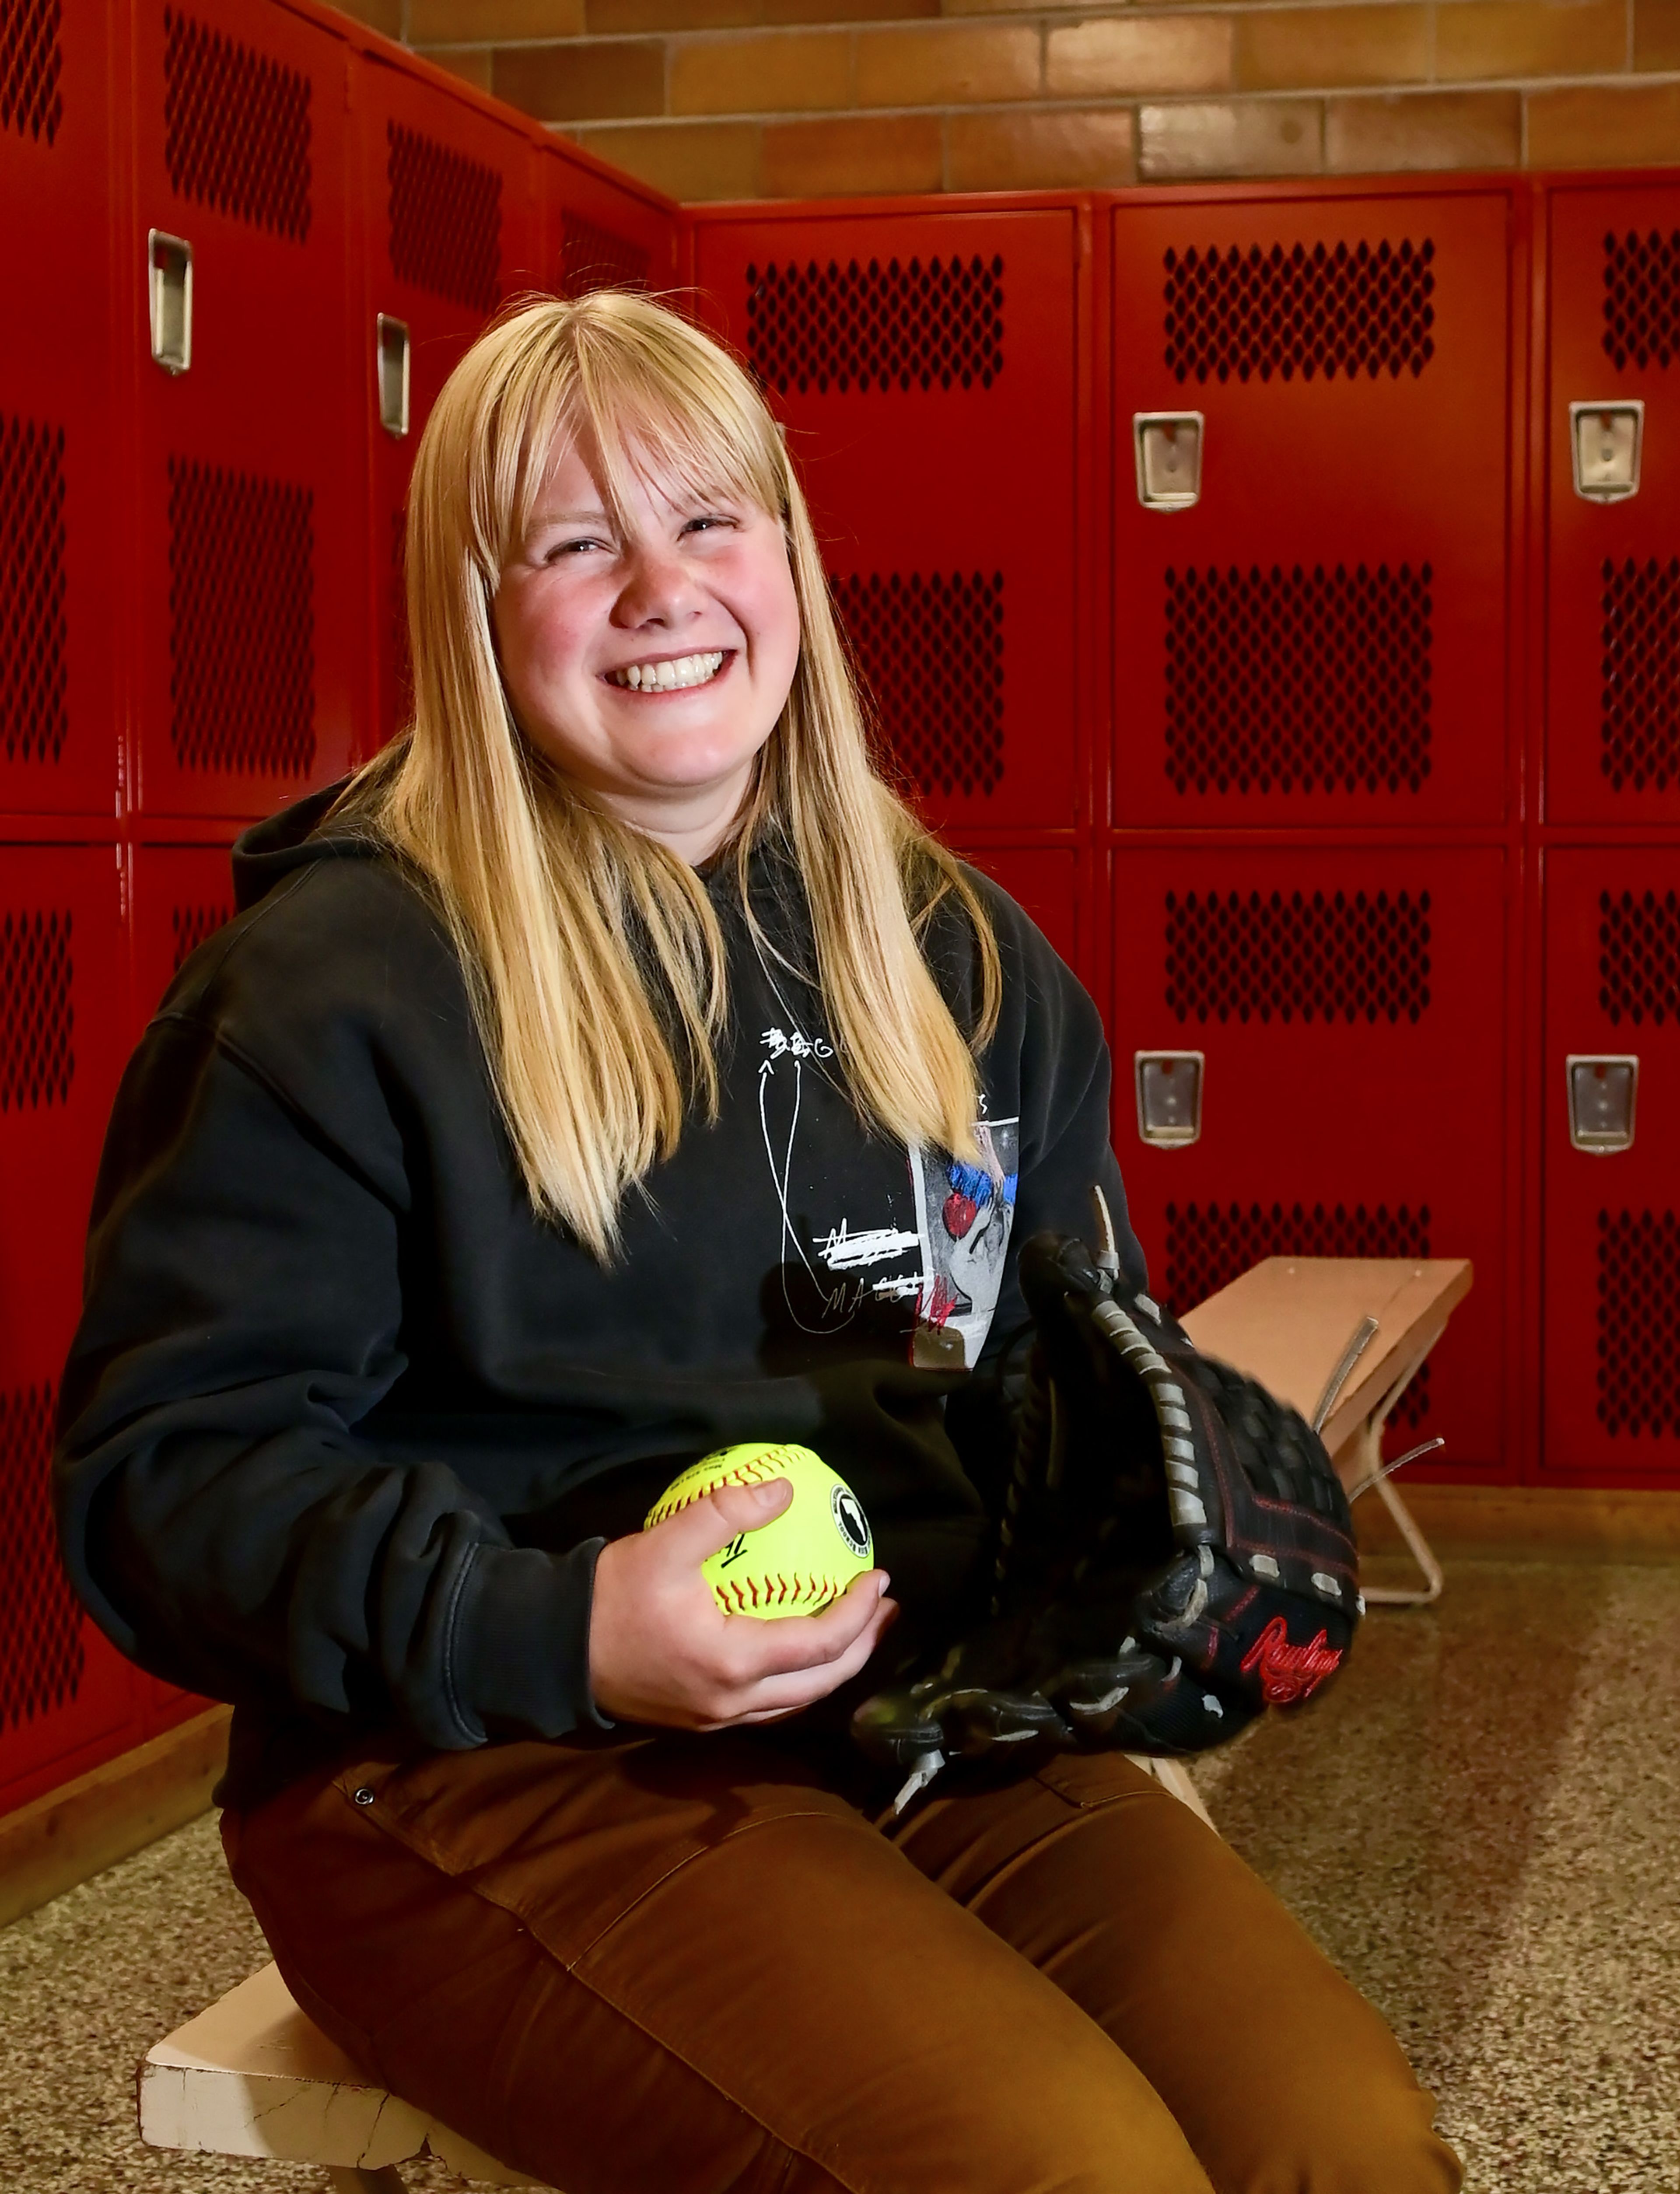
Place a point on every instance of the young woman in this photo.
(614, 1069)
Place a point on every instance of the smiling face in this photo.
(649, 656)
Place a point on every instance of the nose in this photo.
(657, 590)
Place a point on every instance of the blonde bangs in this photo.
(594, 956)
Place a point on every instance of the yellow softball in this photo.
(801, 1561)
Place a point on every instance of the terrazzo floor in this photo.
(1481, 1824)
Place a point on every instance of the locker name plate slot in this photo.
(1168, 445)
(1605, 441)
(169, 289)
(1169, 1097)
(1602, 1093)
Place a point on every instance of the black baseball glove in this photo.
(1174, 1553)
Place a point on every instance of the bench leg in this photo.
(351, 2179)
(1173, 1775)
(1421, 1551)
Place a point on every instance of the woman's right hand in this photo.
(663, 1651)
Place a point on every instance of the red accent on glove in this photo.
(1289, 1673)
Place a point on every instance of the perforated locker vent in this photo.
(1313, 679)
(931, 653)
(32, 62)
(1641, 298)
(236, 128)
(1330, 957)
(1639, 956)
(1318, 308)
(34, 635)
(190, 926)
(1209, 1244)
(1640, 728)
(242, 626)
(42, 1657)
(38, 1009)
(901, 323)
(594, 258)
(444, 230)
(1638, 1347)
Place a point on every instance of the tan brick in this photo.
(849, 157)
(1604, 127)
(689, 160)
(1242, 137)
(587, 83)
(1423, 129)
(1016, 6)
(470, 63)
(1115, 54)
(487, 22)
(849, 11)
(768, 72)
(1295, 47)
(946, 68)
(1656, 34)
(622, 19)
(384, 15)
(1064, 149)
(1528, 38)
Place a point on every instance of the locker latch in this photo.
(1601, 1096)
(169, 288)
(1168, 1096)
(1605, 440)
(390, 361)
(1169, 449)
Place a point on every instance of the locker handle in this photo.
(169, 281)
(1169, 1097)
(1602, 1093)
(1167, 447)
(1605, 444)
(390, 366)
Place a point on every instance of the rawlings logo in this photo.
(1289, 1673)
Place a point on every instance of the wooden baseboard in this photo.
(1554, 1523)
(77, 1831)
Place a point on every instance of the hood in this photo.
(270, 851)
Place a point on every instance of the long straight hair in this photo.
(594, 956)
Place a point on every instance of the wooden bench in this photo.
(1341, 1338)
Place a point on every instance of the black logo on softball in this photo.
(850, 1520)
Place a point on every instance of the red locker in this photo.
(1320, 635)
(1044, 881)
(66, 1697)
(925, 366)
(1348, 1007)
(1611, 1267)
(60, 484)
(599, 232)
(182, 894)
(252, 518)
(1612, 578)
(449, 231)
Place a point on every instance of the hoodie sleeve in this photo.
(219, 1513)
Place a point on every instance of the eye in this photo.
(709, 521)
(555, 551)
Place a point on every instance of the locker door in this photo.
(1043, 881)
(64, 1692)
(450, 231)
(1320, 638)
(182, 895)
(597, 235)
(1611, 1377)
(59, 485)
(1613, 713)
(1349, 1009)
(924, 367)
(252, 504)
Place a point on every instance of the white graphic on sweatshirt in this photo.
(839, 1303)
(842, 1250)
(965, 1214)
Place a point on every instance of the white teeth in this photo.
(668, 677)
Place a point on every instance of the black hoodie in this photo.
(344, 1423)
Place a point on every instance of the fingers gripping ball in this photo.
(801, 1561)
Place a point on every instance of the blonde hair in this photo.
(594, 956)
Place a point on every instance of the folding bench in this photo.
(1340, 1338)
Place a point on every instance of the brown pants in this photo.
(674, 1965)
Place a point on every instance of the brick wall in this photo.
(716, 99)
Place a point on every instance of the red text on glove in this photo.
(1289, 1672)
